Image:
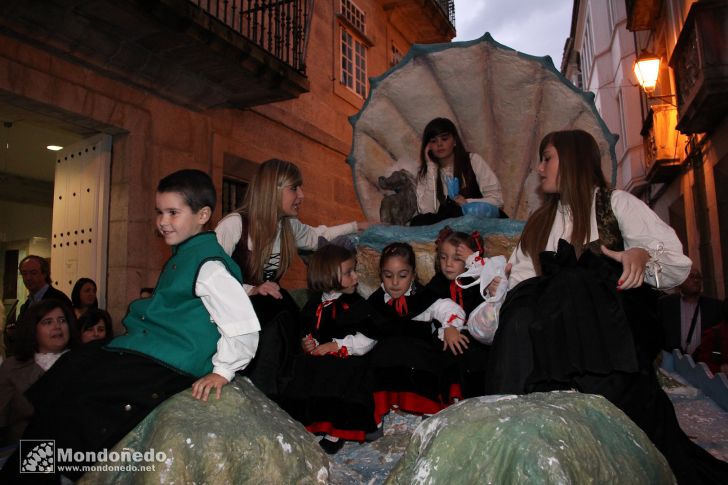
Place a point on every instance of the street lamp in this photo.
(646, 69)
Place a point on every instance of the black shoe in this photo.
(374, 435)
(331, 447)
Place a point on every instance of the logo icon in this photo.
(37, 456)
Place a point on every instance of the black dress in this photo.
(472, 364)
(409, 365)
(333, 393)
(571, 329)
(270, 369)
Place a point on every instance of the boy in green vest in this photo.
(197, 330)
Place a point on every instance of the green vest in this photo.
(173, 326)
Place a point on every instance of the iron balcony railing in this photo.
(448, 8)
(280, 27)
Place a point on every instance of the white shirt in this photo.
(640, 228)
(46, 361)
(357, 344)
(232, 312)
(488, 184)
(230, 229)
(444, 310)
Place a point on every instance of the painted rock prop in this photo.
(558, 437)
(242, 438)
(500, 237)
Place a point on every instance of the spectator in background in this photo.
(713, 348)
(83, 296)
(36, 273)
(685, 316)
(44, 334)
(95, 324)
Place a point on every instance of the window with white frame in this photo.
(353, 73)
(587, 54)
(354, 15)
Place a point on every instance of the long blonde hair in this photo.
(580, 172)
(262, 211)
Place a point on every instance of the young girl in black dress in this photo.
(409, 363)
(331, 391)
(454, 251)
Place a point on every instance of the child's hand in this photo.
(308, 344)
(460, 200)
(324, 349)
(462, 251)
(493, 286)
(455, 340)
(202, 386)
(269, 288)
(363, 225)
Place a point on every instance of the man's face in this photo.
(33, 278)
(693, 285)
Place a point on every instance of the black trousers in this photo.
(89, 400)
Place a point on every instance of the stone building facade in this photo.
(178, 83)
(673, 149)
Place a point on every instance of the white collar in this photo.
(45, 361)
(328, 297)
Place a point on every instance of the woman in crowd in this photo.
(46, 331)
(83, 296)
(95, 324)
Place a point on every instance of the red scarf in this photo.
(324, 304)
(400, 305)
(456, 294)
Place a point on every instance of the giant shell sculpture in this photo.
(502, 101)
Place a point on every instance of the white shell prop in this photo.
(502, 101)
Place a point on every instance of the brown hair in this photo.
(446, 235)
(27, 341)
(462, 169)
(580, 172)
(324, 267)
(263, 211)
(401, 250)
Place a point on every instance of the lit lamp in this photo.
(646, 69)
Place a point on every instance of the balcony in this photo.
(197, 53)
(432, 21)
(700, 64)
(661, 144)
(642, 14)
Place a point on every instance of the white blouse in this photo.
(357, 344)
(230, 229)
(487, 182)
(640, 228)
(444, 310)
